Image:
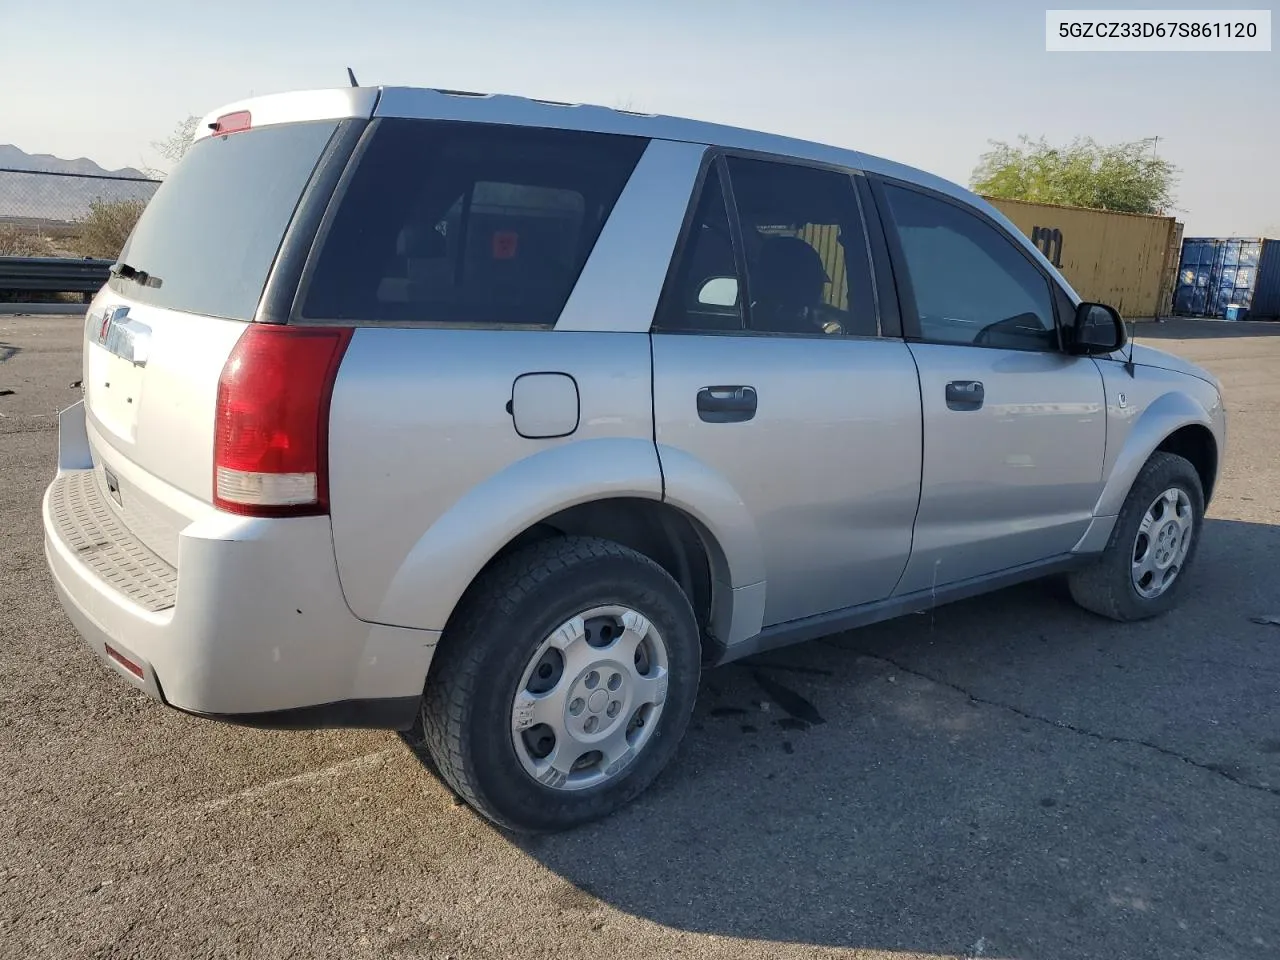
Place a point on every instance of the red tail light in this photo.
(271, 434)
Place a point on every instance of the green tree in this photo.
(1127, 177)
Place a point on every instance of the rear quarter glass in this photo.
(466, 223)
(211, 232)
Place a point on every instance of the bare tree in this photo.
(173, 147)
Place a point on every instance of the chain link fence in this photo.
(68, 214)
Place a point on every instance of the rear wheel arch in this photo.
(677, 542)
(552, 596)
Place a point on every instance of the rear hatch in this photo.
(187, 285)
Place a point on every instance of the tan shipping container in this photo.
(1127, 260)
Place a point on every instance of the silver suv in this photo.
(507, 417)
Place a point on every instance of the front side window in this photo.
(467, 223)
(971, 284)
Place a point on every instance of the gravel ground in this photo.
(1006, 776)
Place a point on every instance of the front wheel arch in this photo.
(1107, 586)
(1196, 444)
(1172, 423)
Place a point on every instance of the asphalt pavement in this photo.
(1004, 777)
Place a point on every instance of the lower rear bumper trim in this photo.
(381, 713)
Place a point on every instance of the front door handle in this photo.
(727, 404)
(965, 395)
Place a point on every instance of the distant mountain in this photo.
(54, 198)
(14, 158)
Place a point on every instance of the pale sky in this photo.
(923, 82)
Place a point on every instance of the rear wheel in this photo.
(563, 684)
(1144, 568)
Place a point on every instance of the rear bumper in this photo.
(255, 628)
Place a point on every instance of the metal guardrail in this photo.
(53, 275)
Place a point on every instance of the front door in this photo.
(771, 375)
(1014, 429)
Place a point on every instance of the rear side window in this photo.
(806, 253)
(804, 248)
(704, 291)
(465, 223)
(209, 235)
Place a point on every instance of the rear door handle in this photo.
(965, 395)
(727, 404)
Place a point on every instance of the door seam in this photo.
(911, 545)
(653, 420)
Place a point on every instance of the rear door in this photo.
(1014, 428)
(189, 281)
(772, 372)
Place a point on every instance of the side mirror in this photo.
(1097, 329)
(719, 292)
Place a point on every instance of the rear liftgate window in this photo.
(210, 234)
(464, 223)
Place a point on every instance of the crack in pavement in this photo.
(306, 777)
(13, 424)
(1214, 768)
(1246, 667)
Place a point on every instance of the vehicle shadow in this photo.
(1008, 775)
(1187, 328)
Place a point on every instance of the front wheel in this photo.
(1144, 568)
(563, 684)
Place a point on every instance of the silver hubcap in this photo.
(1163, 542)
(590, 698)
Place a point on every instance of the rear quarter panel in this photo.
(428, 476)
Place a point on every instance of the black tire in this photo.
(499, 625)
(1106, 587)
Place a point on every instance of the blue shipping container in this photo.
(1266, 290)
(1216, 274)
